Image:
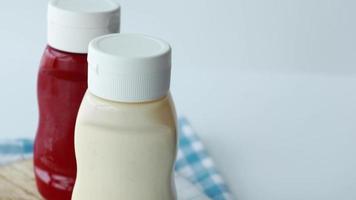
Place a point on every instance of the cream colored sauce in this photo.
(125, 150)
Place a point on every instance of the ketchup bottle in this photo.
(62, 82)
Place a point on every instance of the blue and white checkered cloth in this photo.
(194, 163)
(196, 175)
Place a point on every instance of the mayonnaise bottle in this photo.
(126, 134)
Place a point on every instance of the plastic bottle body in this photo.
(62, 82)
(125, 150)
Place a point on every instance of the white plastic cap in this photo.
(72, 24)
(129, 67)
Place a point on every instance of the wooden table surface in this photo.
(17, 182)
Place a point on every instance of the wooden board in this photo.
(17, 182)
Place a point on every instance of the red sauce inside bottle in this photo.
(62, 82)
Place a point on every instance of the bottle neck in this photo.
(63, 51)
(103, 100)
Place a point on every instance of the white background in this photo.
(269, 85)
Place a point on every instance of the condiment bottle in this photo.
(126, 135)
(62, 82)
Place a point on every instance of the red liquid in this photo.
(62, 82)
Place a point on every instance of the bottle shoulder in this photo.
(59, 60)
(95, 110)
(63, 66)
